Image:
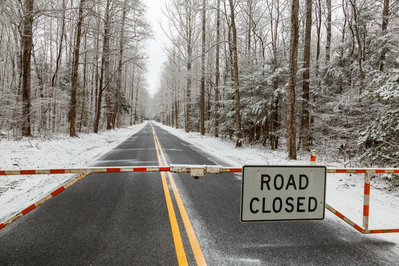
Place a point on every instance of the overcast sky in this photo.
(157, 56)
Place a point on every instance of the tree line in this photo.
(287, 74)
(72, 65)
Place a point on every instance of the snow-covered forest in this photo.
(288, 74)
(70, 66)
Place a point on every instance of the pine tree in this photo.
(381, 138)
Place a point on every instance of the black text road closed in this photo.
(280, 193)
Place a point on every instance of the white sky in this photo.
(157, 55)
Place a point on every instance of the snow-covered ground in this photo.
(344, 191)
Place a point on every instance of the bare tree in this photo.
(305, 122)
(233, 45)
(357, 26)
(217, 70)
(104, 72)
(57, 65)
(75, 68)
(293, 58)
(120, 64)
(27, 42)
(384, 26)
(189, 40)
(202, 97)
(328, 26)
(274, 24)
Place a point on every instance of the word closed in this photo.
(280, 193)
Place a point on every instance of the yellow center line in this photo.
(181, 254)
(199, 257)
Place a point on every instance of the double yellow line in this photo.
(180, 252)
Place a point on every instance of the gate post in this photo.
(313, 158)
(366, 201)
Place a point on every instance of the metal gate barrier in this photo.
(366, 197)
(197, 171)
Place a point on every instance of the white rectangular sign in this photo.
(281, 193)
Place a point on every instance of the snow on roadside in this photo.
(344, 191)
(18, 192)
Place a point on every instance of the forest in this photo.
(284, 74)
(72, 66)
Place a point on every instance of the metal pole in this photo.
(313, 158)
(366, 201)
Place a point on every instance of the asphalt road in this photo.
(123, 219)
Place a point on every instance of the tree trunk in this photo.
(328, 25)
(249, 30)
(293, 58)
(202, 97)
(43, 109)
(104, 68)
(106, 56)
(318, 29)
(233, 44)
(132, 95)
(97, 87)
(385, 20)
(74, 81)
(53, 80)
(274, 105)
(137, 99)
(176, 111)
(27, 41)
(83, 117)
(217, 75)
(317, 66)
(119, 80)
(360, 63)
(305, 130)
(189, 58)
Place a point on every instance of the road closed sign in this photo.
(282, 193)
